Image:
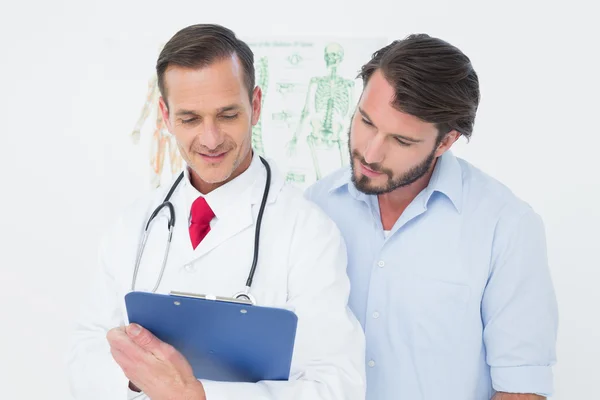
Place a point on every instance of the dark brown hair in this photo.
(433, 80)
(200, 45)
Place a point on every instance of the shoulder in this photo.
(326, 186)
(485, 193)
(291, 200)
(295, 203)
(130, 220)
(304, 217)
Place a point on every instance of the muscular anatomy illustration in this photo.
(262, 80)
(162, 141)
(326, 111)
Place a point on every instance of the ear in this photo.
(256, 105)
(447, 142)
(164, 110)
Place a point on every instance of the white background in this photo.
(71, 77)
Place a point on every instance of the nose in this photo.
(210, 136)
(374, 153)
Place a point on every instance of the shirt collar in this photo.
(343, 180)
(446, 179)
(220, 199)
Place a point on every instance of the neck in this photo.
(393, 204)
(207, 187)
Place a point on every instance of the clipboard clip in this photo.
(239, 298)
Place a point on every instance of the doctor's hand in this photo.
(155, 367)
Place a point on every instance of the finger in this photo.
(118, 338)
(122, 359)
(134, 371)
(145, 339)
(120, 341)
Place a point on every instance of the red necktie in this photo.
(201, 216)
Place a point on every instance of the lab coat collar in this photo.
(232, 204)
(224, 197)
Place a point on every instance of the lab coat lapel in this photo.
(238, 218)
(235, 221)
(181, 245)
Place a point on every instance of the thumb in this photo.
(148, 342)
(142, 337)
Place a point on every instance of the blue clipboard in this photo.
(222, 340)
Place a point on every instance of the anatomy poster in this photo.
(310, 92)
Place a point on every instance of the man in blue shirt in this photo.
(450, 279)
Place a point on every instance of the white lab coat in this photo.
(302, 267)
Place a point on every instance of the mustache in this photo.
(377, 167)
(220, 149)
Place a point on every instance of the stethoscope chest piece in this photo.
(245, 296)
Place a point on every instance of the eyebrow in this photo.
(231, 107)
(403, 137)
(181, 113)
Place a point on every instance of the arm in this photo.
(514, 396)
(150, 98)
(328, 361)
(308, 106)
(519, 311)
(93, 374)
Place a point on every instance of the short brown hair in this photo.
(198, 46)
(433, 80)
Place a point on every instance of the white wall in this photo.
(72, 74)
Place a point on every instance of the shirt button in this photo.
(381, 264)
(375, 314)
(371, 363)
(190, 267)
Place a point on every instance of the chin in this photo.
(216, 176)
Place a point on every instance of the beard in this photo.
(365, 184)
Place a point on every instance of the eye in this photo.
(189, 120)
(232, 116)
(402, 142)
(368, 123)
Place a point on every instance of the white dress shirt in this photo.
(301, 267)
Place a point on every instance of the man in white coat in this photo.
(210, 103)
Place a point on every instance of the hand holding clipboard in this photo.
(222, 339)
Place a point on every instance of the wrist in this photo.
(195, 391)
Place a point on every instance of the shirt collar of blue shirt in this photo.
(446, 179)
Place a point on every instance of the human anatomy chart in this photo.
(310, 91)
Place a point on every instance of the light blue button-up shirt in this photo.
(457, 301)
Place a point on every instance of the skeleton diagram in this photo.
(162, 140)
(327, 109)
(262, 72)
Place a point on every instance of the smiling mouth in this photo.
(213, 157)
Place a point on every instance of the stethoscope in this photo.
(245, 294)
